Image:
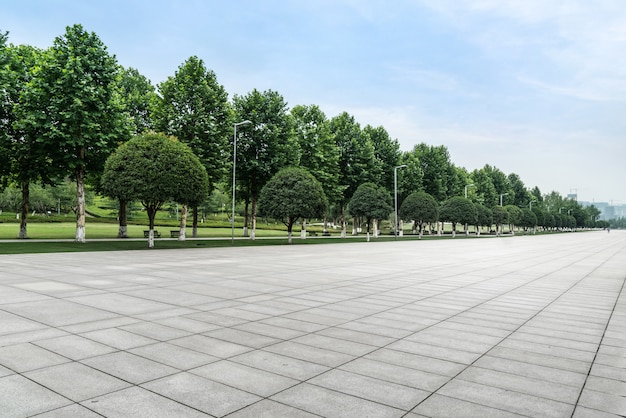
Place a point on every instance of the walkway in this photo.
(505, 327)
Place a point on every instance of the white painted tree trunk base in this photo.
(122, 232)
(80, 234)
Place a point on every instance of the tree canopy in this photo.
(421, 208)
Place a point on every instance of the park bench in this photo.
(146, 234)
(174, 233)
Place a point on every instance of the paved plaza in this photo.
(494, 327)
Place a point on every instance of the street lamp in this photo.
(531, 204)
(503, 194)
(395, 194)
(466, 186)
(245, 122)
(560, 209)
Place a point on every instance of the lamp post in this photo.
(395, 195)
(503, 194)
(466, 186)
(245, 122)
(531, 204)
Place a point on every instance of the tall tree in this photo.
(357, 162)
(265, 146)
(370, 202)
(24, 160)
(193, 107)
(436, 168)
(484, 188)
(154, 169)
(75, 110)
(292, 193)
(319, 152)
(386, 152)
(501, 184)
(521, 196)
(410, 177)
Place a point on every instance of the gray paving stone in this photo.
(279, 364)
(129, 367)
(76, 381)
(173, 355)
(72, 411)
(246, 378)
(25, 357)
(248, 339)
(326, 402)
(74, 347)
(270, 409)
(415, 361)
(211, 346)
(438, 406)
(605, 402)
(20, 397)
(582, 412)
(203, 394)
(311, 354)
(10, 324)
(117, 338)
(57, 312)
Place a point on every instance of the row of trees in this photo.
(66, 109)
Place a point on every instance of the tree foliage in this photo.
(292, 194)
(370, 202)
(421, 208)
(456, 210)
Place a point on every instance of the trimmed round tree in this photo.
(458, 210)
(292, 193)
(515, 215)
(500, 217)
(421, 208)
(154, 169)
(484, 217)
(370, 202)
(528, 219)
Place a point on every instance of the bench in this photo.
(146, 234)
(175, 233)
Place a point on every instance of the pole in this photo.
(395, 195)
(245, 122)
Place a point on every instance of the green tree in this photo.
(501, 184)
(24, 160)
(386, 153)
(421, 208)
(484, 217)
(515, 215)
(528, 219)
(265, 146)
(484, 189)
(436, 168)
(370, 202)
(154, 169)
(409, 177)
(74, 110)
(193, 107)
(456, 210)
(357, 161)
(521, 196)
(292, 194)
(500, 218)
(319, 152)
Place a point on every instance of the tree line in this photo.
(66, 109)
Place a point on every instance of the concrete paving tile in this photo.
(474, 329)
(237, 336)
(414, 378)
(57, 312)
(554, 341)
(430, 337)
(415, 361)
(605, 402)
(438, 406)
(536, 387)
(582, 412)
(217, 319)
(139, 403)
(565, 335)
(611, 360)
(30, 336)
(316, 318)
(326, 402)
(541, 359)
(516, 402)
(282, 365)
(171, 296)
(293, 324)
(11, 324)
(155, 331)
(119, 321)
(63, 380)
(246, 378)
(75, 347)
(376, 390)
(129, 367)
(211, 346)
(610, 386)
(173, 355)
(5, 372)
(356, 336)
(20, 397)
(270, 330)
(270, 409)
(548, 349)
(203, 394)
(311, 354)
(117, 338)
(428, 350)
(375, 329)
(167, 313)
(187, 324)
(335, 344)
(72, 411)
(25, 357)
(534, 371)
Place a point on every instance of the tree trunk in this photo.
(194, 230)
(245, 217)
(354, 229)
(80, 197)
(253, 219)
(343, 222)
(151, 214)
(325, 230)
(421, 230)
(401, 228)
(303, 230)
(24, 209)
(122, 231)
(375, 228)
(183, 223)
(453, 230)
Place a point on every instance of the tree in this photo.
(484, 188)
(370, 202)
(386, 152)
(265, 146)
(436, 168)
(74, 111)
(24, 160)
(515, 215)
(421, 208)
(528, 219)
(458, 209)
(155, 169)
(318, 151)
(357, 162)
(409, 177)
(521, 196)
(484, 217)
(500, 217)
(193, 107)
(501, 184)
(292, 193)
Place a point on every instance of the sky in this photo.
(533, 87)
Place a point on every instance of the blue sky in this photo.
(535, 87)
